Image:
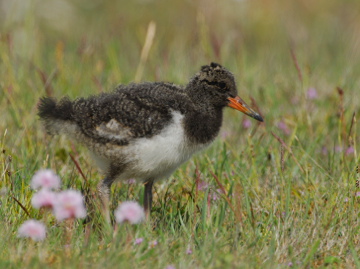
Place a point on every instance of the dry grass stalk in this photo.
(341, 94)
(85, 179)
(296, 65)
(226, 198)
(23, 207)
(196, 194)
(290, 151)
(351, 126)
(145, 51)
(97, 84)
(46, 81)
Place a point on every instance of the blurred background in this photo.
(290, 56)
(254, 35)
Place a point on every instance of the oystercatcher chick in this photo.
(145, 131)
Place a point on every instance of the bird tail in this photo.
(55, 115)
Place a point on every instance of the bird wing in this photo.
(125, 114)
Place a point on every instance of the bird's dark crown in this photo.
(212, 83)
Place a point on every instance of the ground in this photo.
(291, 196)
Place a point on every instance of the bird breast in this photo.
(158, 156)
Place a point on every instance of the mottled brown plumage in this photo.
(145, 130)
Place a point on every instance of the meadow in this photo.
(280, 194)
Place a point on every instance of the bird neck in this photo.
(202, 127)
(203, 122)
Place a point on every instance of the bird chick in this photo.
(145, 131)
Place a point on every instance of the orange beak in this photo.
(238, 104)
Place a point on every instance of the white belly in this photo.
(156, 157)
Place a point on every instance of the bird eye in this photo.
(222, 85)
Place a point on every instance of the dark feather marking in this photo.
(49, 109)
(144, 109)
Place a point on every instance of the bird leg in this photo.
(148, 197)
(103, 189)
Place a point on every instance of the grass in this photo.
(286, 202)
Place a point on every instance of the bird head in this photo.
(217, 86)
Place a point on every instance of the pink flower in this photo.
(216, 193)
(283, 213)
(349, 150)
(188, 251)
(311, 93)
(338, 149)
(169, 267)
(290, 264)
(45, 179)
(324, 150)
(246, 124)
(138, 241)
(282, 126)
(202, 186)
(224, 134)
(43, 198)
(129, 211)
(33, 229)
(69, 204)
(358, 194)
(345, 199)
(152, 244)
(130, 181)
